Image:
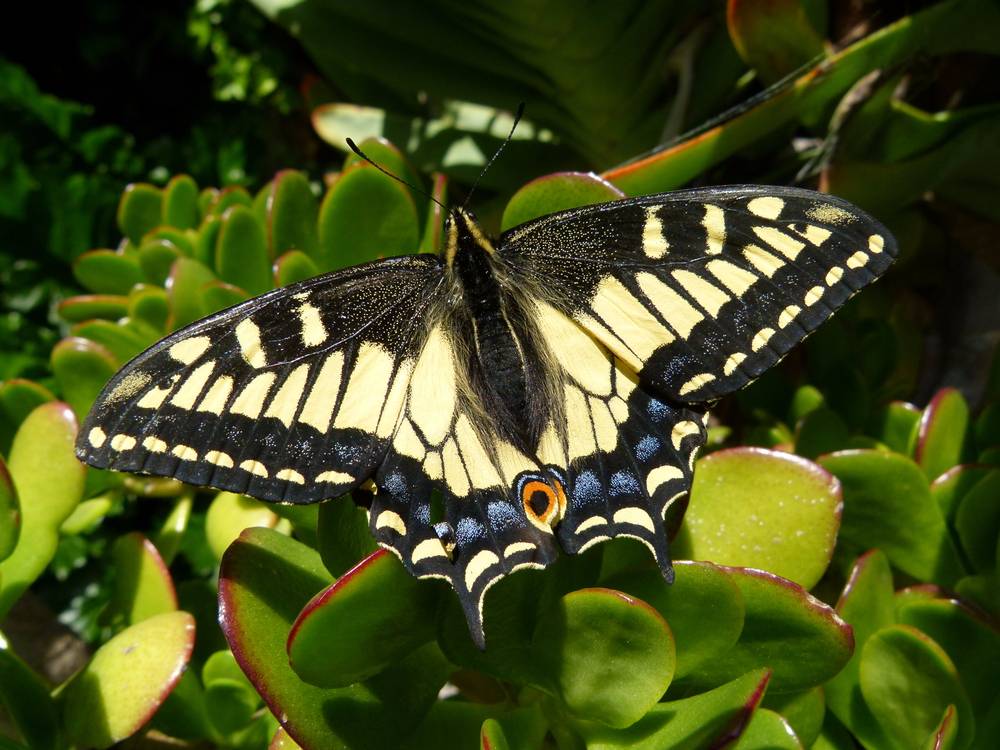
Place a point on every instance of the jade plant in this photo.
(837, 567)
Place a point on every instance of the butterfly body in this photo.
(550, 387)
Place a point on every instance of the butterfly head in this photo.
(462, 232)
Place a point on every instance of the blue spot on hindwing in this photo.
(657, 410)
(624, 483)
(646, 448)
(469, 530)
(503, 516)
(586, 489)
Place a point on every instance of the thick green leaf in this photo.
(908, 681)
(867, 605)
(820, 431)
(155, 259)
(143, 587)
(88, 514)
(230, 699)
(608, 657)
(206, 239)
(231, 196)
(945, 736)
(87, 306)
(773, 38)
(763, 509)
(457, 142)
(369, 618)
(513, 609)
(180, 203)
(49, 482)
(556, 192)
(281, 741)
(345, 537)
(941, 435)
(364, 216)
(384, 153)
(492, 737)
(698, 588)
(949, 488)
(970, 638)
(264, 582)
(977, 522)
(25, 698)
(10, 513)
(218, 295)
(701, 721)
(432, 240)
(802, 640)
(229, 514)
(107, 272)
(241, 254)
(129, 677)
(294, 266)
(768, 730)
(887, 504)
(897, 426)
(940, 29)
(291, 217)
(124, 338)
(18, 398)
(184, 290)
(803, 711)
(81, 368)
(168, 540)
(149, 304)
(140, 209)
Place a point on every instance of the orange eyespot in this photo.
(542, 503)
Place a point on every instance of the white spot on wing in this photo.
(97, 436)
(661, 475)
(389, 519)
(248, 337)
(121, 442)
(290, 475)
(219, 458)
(254, 467)
(696, 382)
(654, 244)
(154, 445)
(188, 350)
(634, 516)
(766, 207)
(715, 228)
(478, 565)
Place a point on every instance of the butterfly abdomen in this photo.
(504, 369)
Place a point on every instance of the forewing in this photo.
(292, 396)
(701, 291)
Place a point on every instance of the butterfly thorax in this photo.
(503, 370)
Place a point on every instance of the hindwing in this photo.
(700, 291)
(292, 396)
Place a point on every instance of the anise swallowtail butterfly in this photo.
(551, 385)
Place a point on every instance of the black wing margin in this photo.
(292, 396)
(700, 291)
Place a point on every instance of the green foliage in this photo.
(841, 584)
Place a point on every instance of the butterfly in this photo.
(505, 398)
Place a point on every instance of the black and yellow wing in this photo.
(700, 291)
(292, 396)
(652, 308)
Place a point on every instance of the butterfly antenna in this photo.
(354, 147)
(517, 119)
